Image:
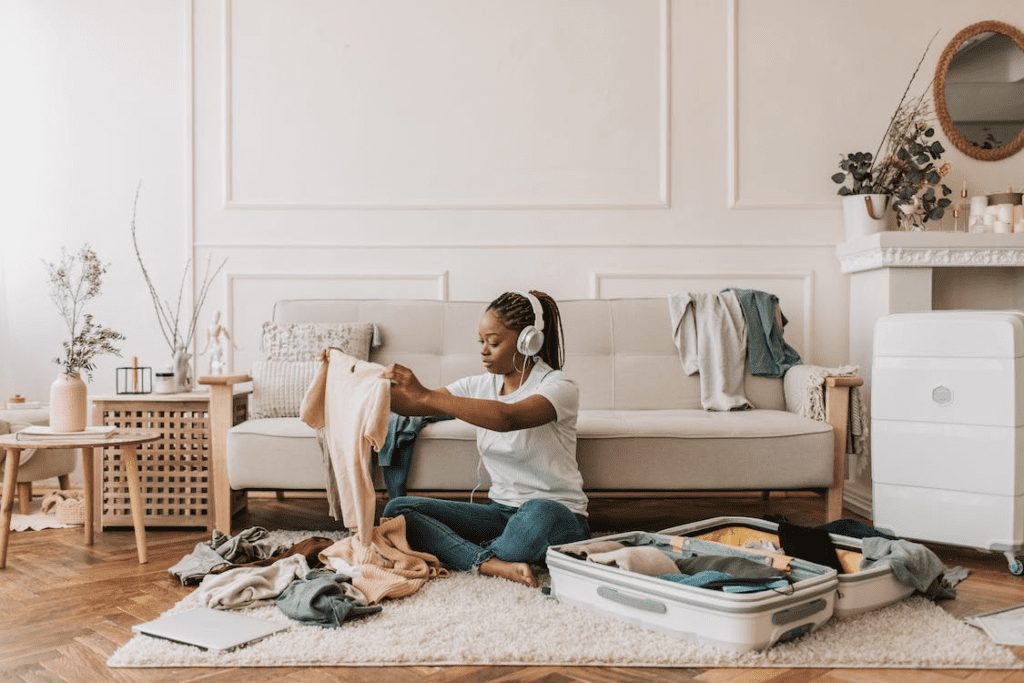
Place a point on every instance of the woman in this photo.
(524, 408)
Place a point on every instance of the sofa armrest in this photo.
(822, 393)
(222, 418)
(837, 414)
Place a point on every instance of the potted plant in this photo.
(905, 175)
(75, 280)
(865, 202)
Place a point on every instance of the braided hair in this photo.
(516, 313)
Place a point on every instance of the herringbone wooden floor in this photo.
(65, 608)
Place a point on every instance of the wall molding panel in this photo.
(734, 200)
(228, 127)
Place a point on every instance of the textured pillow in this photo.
(304, 341)
(279, 385)
(290, 360)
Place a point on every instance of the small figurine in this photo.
(217, 339)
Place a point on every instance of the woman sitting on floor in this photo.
(524, 408)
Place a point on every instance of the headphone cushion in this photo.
(530, 341)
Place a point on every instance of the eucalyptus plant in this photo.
(907, 168)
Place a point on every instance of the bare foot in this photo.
(520, 572)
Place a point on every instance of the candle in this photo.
(989, 219)
(978, 205)
(1019, 226)
(1004, 213)
(1018, 213)
(1001, 226)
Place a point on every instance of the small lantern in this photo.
(134, 379)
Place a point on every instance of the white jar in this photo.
(163, 382)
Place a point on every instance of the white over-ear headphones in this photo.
(531, 339)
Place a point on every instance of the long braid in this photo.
(516, 313)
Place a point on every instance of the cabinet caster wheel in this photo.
(1016, 567)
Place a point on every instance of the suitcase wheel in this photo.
(1016, 567)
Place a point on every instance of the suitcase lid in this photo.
(958, 334)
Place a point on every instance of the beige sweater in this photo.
(387, 567)
(351, 402)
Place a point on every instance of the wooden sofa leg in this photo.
(24, 497)
(837, 414)
(64, 481)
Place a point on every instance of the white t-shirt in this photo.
(539, 462)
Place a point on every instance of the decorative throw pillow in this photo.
(290, 359)
(279, 385)
(304, 341)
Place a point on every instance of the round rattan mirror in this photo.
(979, 90)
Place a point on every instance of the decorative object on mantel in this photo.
(75, 280)
(977, 99)
(217, 339)
(905, 173)
(134, 379)
(171, 322)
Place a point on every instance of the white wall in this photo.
(97, 101)
(448, 148)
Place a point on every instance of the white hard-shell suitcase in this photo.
(734, 621)
(857, 590)
(947, 428)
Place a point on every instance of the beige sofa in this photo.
(641, 426)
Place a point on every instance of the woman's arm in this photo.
(409, 397)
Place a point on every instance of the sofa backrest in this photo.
(619, 351)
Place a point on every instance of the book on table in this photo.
(43, 433)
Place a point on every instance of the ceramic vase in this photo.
(182, 371)
(865, 214)
(68, 403)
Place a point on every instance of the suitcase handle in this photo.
(646, 604)
(792, 614)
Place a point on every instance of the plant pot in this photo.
(68, 403)
(865, 214)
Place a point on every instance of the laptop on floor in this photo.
(209, 629)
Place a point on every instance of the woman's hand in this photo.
(408, 396)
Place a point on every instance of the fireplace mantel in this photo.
(930, 250)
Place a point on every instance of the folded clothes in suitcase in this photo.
(859, 590)
(713, 613)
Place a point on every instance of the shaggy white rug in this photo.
(466, 619)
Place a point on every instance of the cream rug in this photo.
(466, 619)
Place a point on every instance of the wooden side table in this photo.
(176, 472)
(127, 443)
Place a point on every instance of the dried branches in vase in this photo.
(176, 326)
(75, 280)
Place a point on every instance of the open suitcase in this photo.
(857, 590)
(735, 621)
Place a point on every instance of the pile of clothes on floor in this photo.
(317, 580)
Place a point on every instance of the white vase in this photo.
(182, 370)
(68, 403)
(865, 214)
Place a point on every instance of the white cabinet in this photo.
(947, 428)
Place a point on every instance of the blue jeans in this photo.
(465, 535)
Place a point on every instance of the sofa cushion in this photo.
(617, 450)
(290, 358)
(274, 452)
